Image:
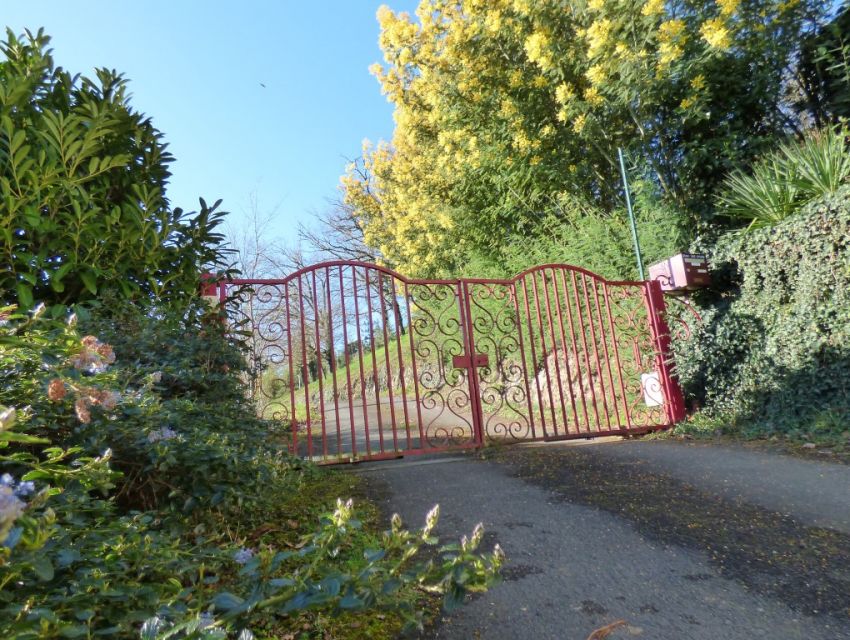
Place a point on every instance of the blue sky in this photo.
(196, 68)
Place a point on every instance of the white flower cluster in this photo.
(7, 418)
(23, 488)
(11, 505)
(243, 556)
(165, 433)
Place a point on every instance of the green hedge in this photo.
(83, 202)
(140, 496)
(773, 354)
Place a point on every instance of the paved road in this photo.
(681, 542)
(817, 493)
(372, 432)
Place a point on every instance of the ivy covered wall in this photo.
(773, 353)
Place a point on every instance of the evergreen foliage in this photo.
(784, 181)
(83, 176)
(772, 353)
(141, 495)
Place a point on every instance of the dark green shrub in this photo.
(83, 178)
(140, 500)
(773, 352)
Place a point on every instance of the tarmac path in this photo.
(681, 541)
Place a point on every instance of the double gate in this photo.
(361, 363)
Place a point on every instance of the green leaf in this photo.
(11, 436)
(453, 599)
(351, 601)
(43, 568)
(61, 272)
(67, 557)
(281, 582)
(391, 586)
(25, 295)
(373, 555)
(331, 586)
(227, 601)
(89, 280)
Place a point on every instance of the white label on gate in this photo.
(653, 396)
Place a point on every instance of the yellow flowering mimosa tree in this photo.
(504, 106)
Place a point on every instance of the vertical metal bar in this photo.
(396, 320)
(674, 401)
(617, 356)
(347, 364)
(629, 208)
(319, 364)
(514, 298)
(293, 419)
(576, 358)
(599, 369)
(533, 356)
(339, 450)
(374, 361)
(305, 369)
(408, 299)
(579, 313)
(561, 395)
(360, 358)
(601, 325)
(387, 358)
(543, 346)
(564, 350)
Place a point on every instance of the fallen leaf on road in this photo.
(607, 630)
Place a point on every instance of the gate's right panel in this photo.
(589, 354)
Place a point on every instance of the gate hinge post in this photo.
(674, 404)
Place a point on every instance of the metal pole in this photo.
(631, 214)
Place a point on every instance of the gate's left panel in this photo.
(334, 356)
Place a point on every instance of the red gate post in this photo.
(674, 400)
(212, 291)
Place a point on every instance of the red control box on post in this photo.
(681, 273)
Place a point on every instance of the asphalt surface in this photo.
(358, 430)
(681, 542)
(814, 492)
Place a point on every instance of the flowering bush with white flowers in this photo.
(140, 496)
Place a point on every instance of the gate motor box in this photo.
(682, 273)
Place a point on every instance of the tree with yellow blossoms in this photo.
(505, 107)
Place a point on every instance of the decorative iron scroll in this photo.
(258, 313)
(358, 362)
(503, 382)
(685, 320)
(444, 391)
(638, 353)
(567, 352)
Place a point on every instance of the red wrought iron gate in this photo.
(361, 363)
